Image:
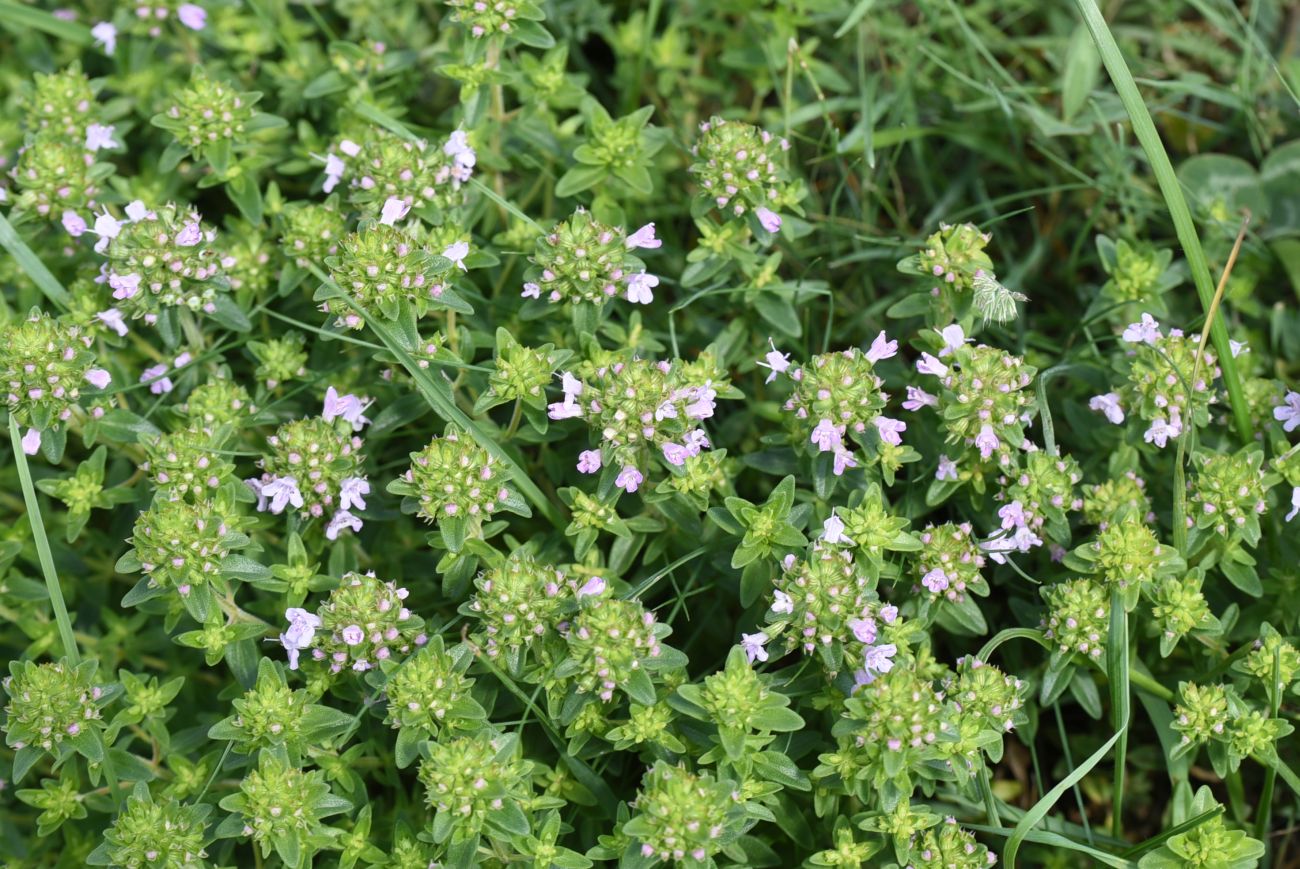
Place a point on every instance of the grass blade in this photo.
(1145, 130)
(43, 546)
(30, 262)
(1117, 658)
(1049, 799)
(1056, 840)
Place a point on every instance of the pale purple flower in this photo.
(457, 147)
(753, 645)
(891, 430)
(864, 630)
(137, 211)
(105, 35)
(1022, 539)
(394, 210)
(918, 398)
(842, 461)
(192, 16)
(1295, 503)
(953, 338)
(353, 492)
(98, 378)
(346, 407)
(629, 479)
(987, 441)
(833, 531)
(342, 519)
(256, 484)
(566, 409)
(675, 454)
(696, 441)
(107, 228)
(889, 613)
(351, 148)
(589, 461)
(882, 348)
(532, 291)
(571, 386)
(1145, 331)
(112, 318)
(74, 223)
(456, 252)
(768, 219)
(334, 170)
(353, 635)
(640, 288)
(182, 360)
(703, 401)
(880, 659)
(935, 580)
(156, 377)
(643, 238)
(947, 469)
(31, 442)
(827, 436)
(301, 631)
(1162, 429)
(1288, 413)
(282, 492)
(783, 603)
(190, 234)
(1109, 405)
(592, 587)
(928, 364)
(100, 136)
(775, 361)
(1238, 347)
(124, 286)
(1013, 515)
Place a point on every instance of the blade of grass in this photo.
(30, 262)
(43, 546)
(1049, 799)
(1056, 840)
(1177, 830)
(439, 397)
(19, 18)
(1117, 658)
(1145, 130)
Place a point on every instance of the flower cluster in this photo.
(1078, 617)
(955, 256)
(216, 403)
(430, 692)
(742, 170)
(949, 563)
(315, 466)
(983, 402)
(453, 478)
(180, 544)
(44, 365)
(152, 833)
(62, 102)
(1117, 499)
(611, 642)
(1228, 494)
(471, 780)
(186, 463)
(52, 703)
(363, 622)
(582, 261)
(58, 178)
(490, 17)
(383, 166)
(312, 232)
(381, 267)
(837, 396)
(638, 408)
(282, 806)
(159, 259)
(517, 603)
(1045, 492)
(682, 817)
(208, 113)
(948, 846)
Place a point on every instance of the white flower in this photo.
(882, 348)
(1145, 331)
(753, 646)
(953, 339)
(31, 442)
(1238, 347)
(100, 136)
(334, 169)
(1109, 405)
(457, 252)
(342, 519)
(1162, 430)
(775, 361)
(783, 603)
(1295, 504)
(137, 211)
(105, 35)
(643, 238)
(639, 288)
(112, 318)
(394, 210)
(353, 492)
(833, 531)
